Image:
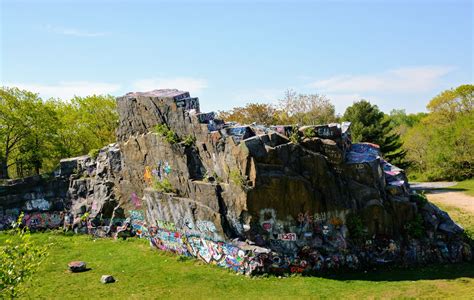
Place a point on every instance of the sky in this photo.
(396, 54)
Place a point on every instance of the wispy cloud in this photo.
(401, 80)
(192, 85)
(67, 89)
(73, 31)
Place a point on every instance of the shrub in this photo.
(309, 133)
(415, 228)
(355, 226)
(167, 133)
(189, 141)
(295, 136)
(19, 260)
(237, 178)
(163, 185)
(419, 199)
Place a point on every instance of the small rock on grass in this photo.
(107, 279)
(77, 266)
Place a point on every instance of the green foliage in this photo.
(36, 134)
(439, 147)
(163, 185)
(19, 260)
(93, 153)
(167, 133)
(309, 133)
(420, 199)
(369, 124)
(295, 137)
(355, 226)
(237, 178)
(189, 140)
(415, 228)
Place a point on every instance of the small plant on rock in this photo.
(163, 185)
(415, 228)
(237, 178)
(355, 226)
(309, 133)
(295, 136)
(189, 141)
(167, 133)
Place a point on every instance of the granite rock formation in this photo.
(253, 198)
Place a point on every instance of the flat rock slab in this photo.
(77, 266)
(107, 279)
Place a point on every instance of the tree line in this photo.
(35, 133)
(438, 145)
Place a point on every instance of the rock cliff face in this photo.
(252, 198)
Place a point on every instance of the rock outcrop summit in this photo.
(249, 197)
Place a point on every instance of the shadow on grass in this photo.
(432, 272)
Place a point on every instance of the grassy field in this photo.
(466, 186)
(143, 273)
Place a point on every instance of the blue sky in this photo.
(397, 54)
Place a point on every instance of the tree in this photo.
(369, 124)
(18, 114)
(259, 113)
(305, 109)
(87, 123)
(19, 260)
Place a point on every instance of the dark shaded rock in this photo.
(77, 266)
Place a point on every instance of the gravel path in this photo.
(431, 185)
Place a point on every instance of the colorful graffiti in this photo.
(43, 220)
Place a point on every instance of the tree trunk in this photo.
(3, 169)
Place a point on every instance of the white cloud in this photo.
(401, 80)
(192, 85)
(67, 89)
(73, 32)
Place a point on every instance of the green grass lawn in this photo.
(144, 273)
(466, 186)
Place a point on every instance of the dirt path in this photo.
(456, 199)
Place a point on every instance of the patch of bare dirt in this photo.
(456, 199)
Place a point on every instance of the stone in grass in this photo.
(107, 279)
(77, 266)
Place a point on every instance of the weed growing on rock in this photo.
(295, 136)
(163, 185)
(189, 141)
(309, 133)
(93, 153)
(237, 178)
(170, 136)
(415, 228)
(355, 226)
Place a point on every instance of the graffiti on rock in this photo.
(38, 204)
(136, 201)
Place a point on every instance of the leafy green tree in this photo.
(19, 112)
(441, 145)
(87, 123)
(20, 258)
(369, 124)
